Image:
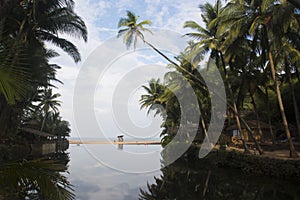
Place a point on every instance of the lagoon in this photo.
(94, 180)
(184, 179)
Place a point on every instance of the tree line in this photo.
(255, 46)
(27, 77)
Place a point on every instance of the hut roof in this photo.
(36, 132)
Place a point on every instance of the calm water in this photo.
(184, 179)
(94, 180)
(105, 172)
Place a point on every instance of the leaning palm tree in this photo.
(133, 31)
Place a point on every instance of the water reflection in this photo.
(120, 146)
(39, 178)
(190, 178)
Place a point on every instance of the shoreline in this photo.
(112, 142)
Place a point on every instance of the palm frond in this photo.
(64, 44)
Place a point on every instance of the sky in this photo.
(100, 95)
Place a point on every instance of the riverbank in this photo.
(267, 165)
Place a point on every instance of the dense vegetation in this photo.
(27, 103)
(26, 75)
(255, 45)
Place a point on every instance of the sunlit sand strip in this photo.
(111, 142)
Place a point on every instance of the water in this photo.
(187, 178)
(93, 180)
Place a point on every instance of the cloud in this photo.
(85, 189)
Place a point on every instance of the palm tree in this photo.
(248, 18)
(152, 100)
(210, 42)
(55, 125)
(26, 31)
(133, 31)
(52, 18)
(48, 102)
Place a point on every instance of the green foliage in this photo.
(133, 29)
(24, 59)
(241, 37)
(35, 179)
(14, 77)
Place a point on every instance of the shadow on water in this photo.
(39, 178)
(191, 178)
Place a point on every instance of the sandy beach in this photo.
(112, 142)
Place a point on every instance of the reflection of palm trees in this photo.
(188, 178)
(36, 179)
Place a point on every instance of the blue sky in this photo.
(101, 18)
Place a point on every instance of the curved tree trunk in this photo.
(293, 153)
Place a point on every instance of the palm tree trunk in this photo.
(235, 110)
(44, 120)
(269, 116)
(168, 59)
(297, 74)
(296, 108)
(236, 115)
(257, 119)
(293, 153)
(205, 189)
(295, 104)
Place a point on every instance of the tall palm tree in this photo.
(133, 31)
